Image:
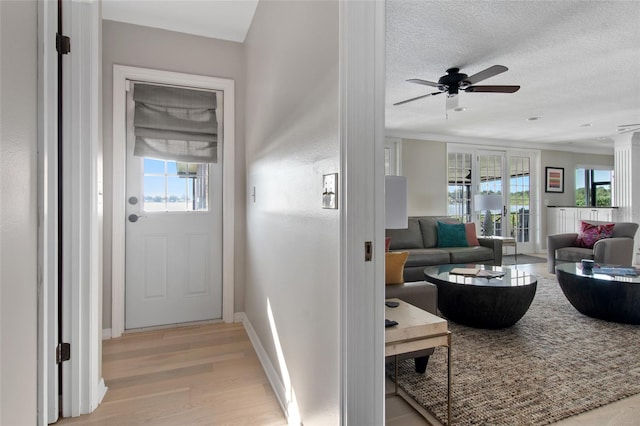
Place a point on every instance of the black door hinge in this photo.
(63, 44)
(63, 352)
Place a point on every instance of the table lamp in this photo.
(487, 203)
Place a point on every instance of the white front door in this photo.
(173, 270)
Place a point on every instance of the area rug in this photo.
(553, 364)
(523, 259)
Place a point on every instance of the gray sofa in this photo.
(420, 239)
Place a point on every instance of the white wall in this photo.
(424, 163)
(18, 212)
(293, 245)
(134, 45)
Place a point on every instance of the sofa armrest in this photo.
(420, 294)
(496, 246)
(556, 241)
(614, 251)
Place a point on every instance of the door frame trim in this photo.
(120, 75)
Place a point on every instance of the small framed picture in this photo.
(554, 179)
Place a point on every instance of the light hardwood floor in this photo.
(621, 413)
(196, 375)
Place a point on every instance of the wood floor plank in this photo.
(196, 375)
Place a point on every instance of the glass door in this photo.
(519, 202)
(489, 200)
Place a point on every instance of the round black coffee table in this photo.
(610, 298)
(482, 302)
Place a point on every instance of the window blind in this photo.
(173, 123)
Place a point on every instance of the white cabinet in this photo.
(601, 214)
(562, 220)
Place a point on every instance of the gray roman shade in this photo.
(172, 123)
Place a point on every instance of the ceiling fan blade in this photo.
(483, 75)
(493, 89)
(628, 125)
(416, 98)
(423, 82)
(630, 129)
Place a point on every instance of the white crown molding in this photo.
(556, 146)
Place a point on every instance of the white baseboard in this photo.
(106, 333)
(102, 390)
(270, 371)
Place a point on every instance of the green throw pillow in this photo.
(452, 235)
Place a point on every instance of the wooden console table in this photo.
(416, 330)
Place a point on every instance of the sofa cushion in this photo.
(475, 254)
(429, 228)
(590, 233)
(452, 235)
(573, 254)
(406, 238)
(394, 267)
(472, 235)
(427, 257)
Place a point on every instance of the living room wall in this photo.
(424, 164)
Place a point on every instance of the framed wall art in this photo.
(554, 179)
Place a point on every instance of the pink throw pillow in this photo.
(387, 243)
(472, 238)
(590, 233)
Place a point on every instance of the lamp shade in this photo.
(483, 202)
(395, 196)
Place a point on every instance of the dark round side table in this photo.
(606, 297)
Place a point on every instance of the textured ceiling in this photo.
(577, 62)
(222, 19)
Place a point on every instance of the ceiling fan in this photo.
(455, 81)
(624, 128)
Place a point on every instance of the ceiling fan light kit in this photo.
(455, 81)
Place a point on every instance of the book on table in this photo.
(472, 272)
(616, 270)
(477, 272)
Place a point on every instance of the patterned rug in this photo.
(554, 363)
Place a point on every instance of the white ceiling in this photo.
(577, 62)
(222, 19)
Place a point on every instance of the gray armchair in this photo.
(617, 250)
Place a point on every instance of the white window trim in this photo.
(120, 76)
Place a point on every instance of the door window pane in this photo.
(490, 174)
(519, 197)
(170, 186)
(459, 186)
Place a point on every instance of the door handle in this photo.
(133, 218)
